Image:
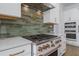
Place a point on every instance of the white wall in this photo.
(13, 9)
(61, 24)
(68, 6)
(59, 28)
(71, 13)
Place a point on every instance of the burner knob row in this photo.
(58, 41)
(40, 49)
(52, 45)
(43, 47)
(46, 46)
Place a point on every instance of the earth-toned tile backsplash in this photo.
(23, 26)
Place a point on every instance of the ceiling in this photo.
(68, 4)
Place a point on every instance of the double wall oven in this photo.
(70, 30)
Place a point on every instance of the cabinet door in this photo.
(54, 14)
(19, 51)
(12, 9)
(50, 16)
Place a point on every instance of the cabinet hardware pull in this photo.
(16, 53)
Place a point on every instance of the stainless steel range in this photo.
(44, 44)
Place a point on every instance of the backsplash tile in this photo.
(22, 26)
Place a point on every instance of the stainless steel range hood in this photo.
(39, 6)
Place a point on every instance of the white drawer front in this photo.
(19, 51)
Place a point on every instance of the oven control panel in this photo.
(46, 47)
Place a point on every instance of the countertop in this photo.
(59, 35)
(8, 43)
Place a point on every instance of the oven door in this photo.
(71, 36)
(54, 53)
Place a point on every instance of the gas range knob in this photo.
(59, 45)
(40, 49)
(51, 41)
(58, 41)
(44, 47)
(47, 45)
(52, 45)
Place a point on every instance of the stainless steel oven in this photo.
(55, 53)
(71, 36)
(44, 44)
(70, 30)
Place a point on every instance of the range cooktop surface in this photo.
(39, 37)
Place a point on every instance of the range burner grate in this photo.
(39, 37)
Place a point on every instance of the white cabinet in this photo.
(18, 51)
(12, 9)
(51, 15)
(15, 46)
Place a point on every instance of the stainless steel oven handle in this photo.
(17, 53)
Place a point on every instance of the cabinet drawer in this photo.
(18, 51)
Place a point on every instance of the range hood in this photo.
(39, 6)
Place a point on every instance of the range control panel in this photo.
(46, 47)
